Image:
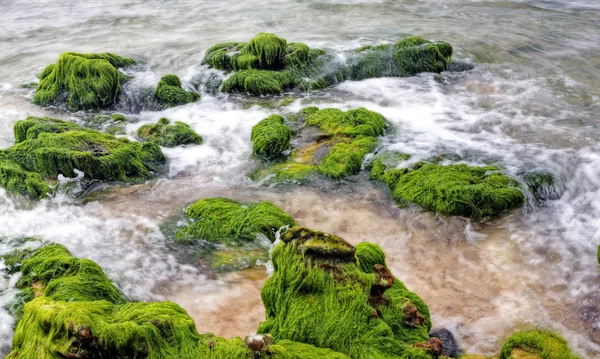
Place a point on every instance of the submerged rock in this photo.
(47, 147)
(165, 134)
(82, 81)
(269, 65)
(328, 141)
(221, 220)
(460, 190)
(170, 93)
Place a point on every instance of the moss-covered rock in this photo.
(319, 295)
(170, 93)
(74, 311)
(82, 81)
(270, 65)
(165, 134)
(536, 344)
(270, 137)
(461, 190)
(47, 147)
(221, 220)
(338, 142)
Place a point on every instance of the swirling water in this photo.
(532, 101)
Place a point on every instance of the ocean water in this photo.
(530, 102)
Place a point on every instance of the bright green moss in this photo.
(83, 81)
(218, 56)
(60, 276)
(476, 192)
(48, 147)
(367, 255)
(599, 254)
(221, 220)
(169, 135)
(31, 127)
(270, 137)
(351, 123)
(414, 54)
(269, 65)
(339, 152)
(287, 349)
(268, 48)
(170, 93)
(260, 82)
(318, 295)
(346, 158)
(547, 345)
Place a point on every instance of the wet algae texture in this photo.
(47, 147)
(221, 220)
(82, 81)
(169, 92)
(328, 141)
(460, 190)
(325, 299)
(268, 64)
(165, 134)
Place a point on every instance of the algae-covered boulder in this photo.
(48, 147)
(165, 134)
(74, 311)
(461, 190)
(82, 81)
(170, 93)
(536, 344)
(269, 65)
(266, 65)
(318, 294)
(270, 137)
(328, 141)
(221, 220)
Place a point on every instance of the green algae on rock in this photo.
(269, 65)
(170, 93)
(319, 295)
(338, 143)
(82, 81)
(165, 134)
(536, 344)
(221, 220)
(48, 147)
(461, 190)
(270, 137)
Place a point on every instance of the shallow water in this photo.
(532, 101)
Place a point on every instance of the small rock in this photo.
(450, 347)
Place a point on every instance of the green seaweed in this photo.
(414, 55)
(170, 93)
(347, 137)
(270, 137)
(61, 276)
(269, 65)
(48, 147)
(72, 310)
(221, 220)
(165, 134)
(82, 81)
(367, 255)
(318, 295)
(545, 344)
(461, 190)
